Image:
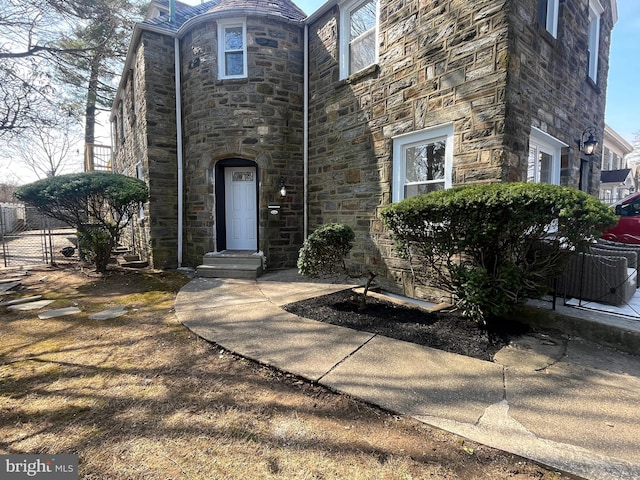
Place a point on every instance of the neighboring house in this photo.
(617, 179)
(361, 104)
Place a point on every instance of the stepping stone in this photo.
(60, 312)
(8, 286)
(18, 301)
(9, 280)
(23, 307)
(112, 312)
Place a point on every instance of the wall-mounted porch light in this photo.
(283, 188)
(589, 145)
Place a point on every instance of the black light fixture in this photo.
(589, 145)
(283, 188)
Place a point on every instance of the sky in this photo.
(623, 101)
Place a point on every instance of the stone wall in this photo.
(483, 66)
(259, 119)
(549, 86)
(150, 140)
(440, 62)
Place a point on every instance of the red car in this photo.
(628, 228)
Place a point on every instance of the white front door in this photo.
(240, 208)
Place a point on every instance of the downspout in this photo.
(179, 143)
(305, 146)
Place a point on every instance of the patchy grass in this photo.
(140, 397)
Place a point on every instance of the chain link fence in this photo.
(30, 238)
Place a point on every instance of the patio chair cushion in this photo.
(598, 278)
(633, 257)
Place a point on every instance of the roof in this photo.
(285, 9)
(281, 8)
(182, 14)
(614, 176)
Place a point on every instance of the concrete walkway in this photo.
(572, 405)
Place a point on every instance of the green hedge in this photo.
(491, 246)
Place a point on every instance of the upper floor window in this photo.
(232, 48)
(548, 15)
(593, 45)
(544, 157)
(140, 176)
(123, 121)
(422, 161)
(358, 36)
(134, 103)
(114, 133)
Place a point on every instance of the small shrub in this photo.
(324, 253)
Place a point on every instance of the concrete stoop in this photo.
(126, 259)
(243, 264)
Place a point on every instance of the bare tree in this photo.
(51, 151)
(60, 55)
(30, 32)
(6, 192)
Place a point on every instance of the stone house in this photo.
(617, 178)
(225, 106)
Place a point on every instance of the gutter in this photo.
(180, 159)
(305, 147)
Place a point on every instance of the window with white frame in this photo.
(358, 36)
(232, 48)
(422, 161)
(140, 176)
(593, 44)
(544, 157)
(547, 12)
(123, 121)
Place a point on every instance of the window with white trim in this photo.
(422, 161)
(544, 157)
(232, 48)
(123, 121)
(547, 13)
(593, 43)
(140, 176)
(358, 36)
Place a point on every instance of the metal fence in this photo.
(30, 238)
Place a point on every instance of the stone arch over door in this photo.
(241, 170)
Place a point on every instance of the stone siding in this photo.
(259, 119)
(483, 66)
(439, 63)
(549, 87)
(150, 140)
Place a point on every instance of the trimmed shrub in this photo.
(324, 253)
(494, 246)
(98, 204)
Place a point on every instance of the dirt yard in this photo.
(140, 397)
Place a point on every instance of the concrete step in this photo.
(245, 264)
(135, 264)
(233, 258)
(229, 271)
(127, 258)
